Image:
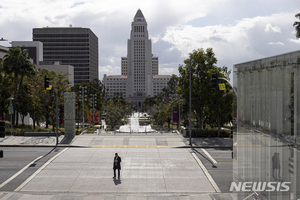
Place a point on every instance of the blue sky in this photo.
(237, 30)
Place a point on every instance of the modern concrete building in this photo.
(58, 67)
(74, 46)
(35, 49)
(267, 140)
(139, 70)
(3, 51)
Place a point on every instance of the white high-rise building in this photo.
(139, 68)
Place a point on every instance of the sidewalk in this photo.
(138, 139)
(209, 142)
(152, 169)
(147, 174)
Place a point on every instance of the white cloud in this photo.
(237, 30)
(270, 28)
(295, 41)
(245, 40)
(276, 43)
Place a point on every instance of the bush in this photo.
(210, 133)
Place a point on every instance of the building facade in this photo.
(267, 139)
(58, 67)
(35, 49)
(124, 66)
(3, 51)
(139, 70)
(74, 46)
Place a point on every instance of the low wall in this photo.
(31, 134)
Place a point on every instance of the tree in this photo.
(41, 103)
(5, 91)
(203, 62)
(114, 117)
(17, 63)
(297, 26)
(149, 103)
(218, 110)
(119, 100)
(171, 89)
(208, 105)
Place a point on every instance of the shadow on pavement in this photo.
(213, 165)
(117, 181)
(66, 140)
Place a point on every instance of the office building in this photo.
(35, 49)
(58, 67)
(74, 46)
(267, 140)
(139, 70)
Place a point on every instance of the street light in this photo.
(94, 103)
(190, 100)
(11, 112)
(81, 94)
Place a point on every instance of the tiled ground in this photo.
(164, 140)
(144, 170)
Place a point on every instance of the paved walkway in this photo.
(152, 169)
(119, 139)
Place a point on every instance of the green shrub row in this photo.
(203, 133)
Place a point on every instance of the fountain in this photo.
(134, 126)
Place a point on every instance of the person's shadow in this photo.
(117, 181)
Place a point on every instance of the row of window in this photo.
(67, 53)
(159, 83)
(66, 44)
(70, 62)
(139, 42)
(65, 49)
(121, 79)
(79, 69)
(115, 83)
(65, 57)
(59, 35)
(81, 77)
(81, 73)
(139, 29)
(64, 40)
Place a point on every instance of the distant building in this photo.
(267, 137)
(58, 67)
(74, 46)
(139, 70)
(3, 51)
(124, 66)
(35, 49)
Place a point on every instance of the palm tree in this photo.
(119, 100)
(149, 103)
(297, 26)
(17, 63)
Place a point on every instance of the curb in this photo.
(76, 146)
(206, 146)
(71, 146)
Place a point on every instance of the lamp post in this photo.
(10, 111)
(94, 103)
(190, 101)
(81, 94)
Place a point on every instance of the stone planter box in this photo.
(32, 134)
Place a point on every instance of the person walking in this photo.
(117, 165)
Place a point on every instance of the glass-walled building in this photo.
(267, 139)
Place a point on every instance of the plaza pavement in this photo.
(152, 168)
